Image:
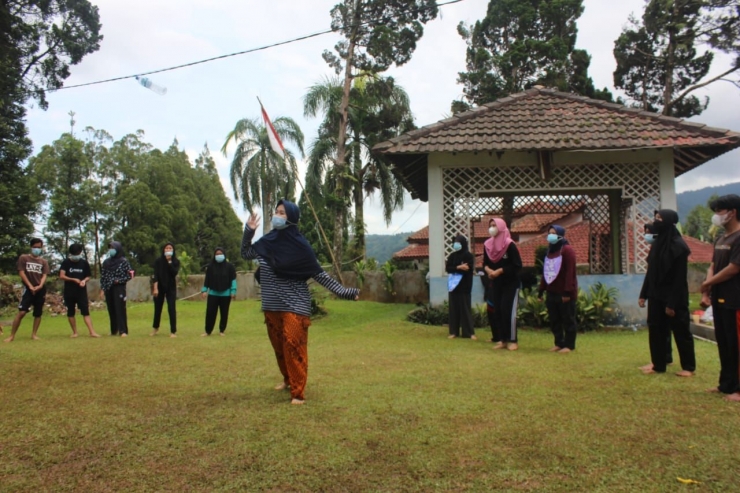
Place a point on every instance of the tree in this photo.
(658, 63)
(522, 43)
(698, 223)
(376, 35)
(378, 110)
(259, 175)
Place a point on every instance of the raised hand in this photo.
(253, 222)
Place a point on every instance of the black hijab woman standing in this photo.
(459, 267)
(166, 268)
(113, 278)
(666, 289)
(220, 287)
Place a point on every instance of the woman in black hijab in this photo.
(460, 272)
(166, 268)
(115, 274)
(220, 288)
(666, 289)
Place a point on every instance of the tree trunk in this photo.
(359, 226)
(670, 62)
(97, 243)
(267, 213)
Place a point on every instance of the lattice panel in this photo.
(469, 193)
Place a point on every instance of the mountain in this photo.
(382, 247)
(689, 200)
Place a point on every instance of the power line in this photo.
(220, 57)
(408, 218)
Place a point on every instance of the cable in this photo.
(408, 218)
(220, 57)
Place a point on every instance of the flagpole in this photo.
(337, 266)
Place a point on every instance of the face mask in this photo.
(493, 231)
(220, 258)
(75, 257)
(112, 252)
(456, 246)
(720, 220)
(168, 254)
(279, 222)
(36, 251)
(552, 238)
(650, 238)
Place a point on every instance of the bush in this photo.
(318, 298)
(531, 311)
(595, 308)
(428, 314)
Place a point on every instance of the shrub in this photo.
(428, 314)
(388, 270)
(596, 307)
(530, 310)
(318, 298)
(360, 267)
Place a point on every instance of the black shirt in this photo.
(76, 270)
(727, 251)
(511, 263)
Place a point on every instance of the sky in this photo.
(204, 102)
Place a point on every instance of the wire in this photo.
(408, 218)
(220, 57)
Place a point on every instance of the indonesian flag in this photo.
(275, 141)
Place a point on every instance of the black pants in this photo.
(461, 319)
(115, 300)
(562, 320)
(726, 330)
(171, 296)
(214, 305)
(503, 316)
(660, 328)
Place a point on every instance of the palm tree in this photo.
(259, 175)
(378, 110)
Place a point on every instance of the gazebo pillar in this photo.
(615, 209)
(667, 181)
(436, 220)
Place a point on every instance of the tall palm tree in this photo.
(378, 110)
(259, 175)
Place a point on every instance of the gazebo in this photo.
(547, 151)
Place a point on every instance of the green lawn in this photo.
(391, 406)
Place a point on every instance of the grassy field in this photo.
(390, 406)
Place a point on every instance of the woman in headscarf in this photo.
(666, 289)
(459, 267)
(115, 274)
(220, 287)
(166, 268)
(286, 261)
(501, 264)
(560, 282)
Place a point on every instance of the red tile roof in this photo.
(577, 235)
(534, 223)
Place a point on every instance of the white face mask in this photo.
(493, 231)
(720, 220)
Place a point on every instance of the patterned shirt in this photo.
(120, 275)
(280, 294)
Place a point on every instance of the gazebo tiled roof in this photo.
(541, 119)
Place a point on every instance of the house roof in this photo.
(543, 119)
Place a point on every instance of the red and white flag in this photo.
(275, 142)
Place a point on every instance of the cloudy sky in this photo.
(204, 102)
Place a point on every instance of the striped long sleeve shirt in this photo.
(280, 294)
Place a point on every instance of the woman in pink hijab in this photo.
(502, 263)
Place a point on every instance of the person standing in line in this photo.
(502, 263)
(666, 290)
(460, 269)
(220, 288)
(650, 236)
(560, 281)
(721, 289)
(115, 274)
(166, 268)
(287, 261)
(33, 271)
(75, 272)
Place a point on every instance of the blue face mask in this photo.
(75, 257)
(456, 246)
(552, 238)
(650, 238)
(168, 254)
(112, 252)
(36, 251)
(220, 258)
(279, 222)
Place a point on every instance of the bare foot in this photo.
(73, 335)
(154, 332)
(499, 345)
(512, 346)
(205, 334)
(554, 349)
(124, 335)
(36, 338)
(713, 390)
(281, 386)
(649, 371)
(733, 397)
(564, 350)
(646, 367)
(451, 336)
(9, 339)
(173, 335)
(685, 373)
(94, 334)
(473, 338)
(297, 402)
(221, 334)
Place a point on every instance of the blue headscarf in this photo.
(286, 250)
(561, 242)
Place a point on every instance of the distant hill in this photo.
(382, 247)
(689, 200)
